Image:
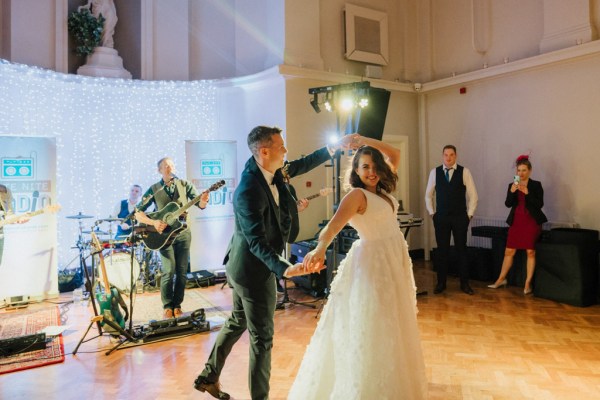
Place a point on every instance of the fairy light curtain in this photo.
(109, 134)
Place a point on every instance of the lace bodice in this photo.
(379, 220)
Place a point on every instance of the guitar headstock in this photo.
(325, 191)
(53, 208)
(95, 243)
(217, 185)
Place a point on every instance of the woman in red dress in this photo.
(525, 196)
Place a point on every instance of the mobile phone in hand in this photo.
(516, 180)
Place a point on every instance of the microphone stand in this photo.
(145, 201)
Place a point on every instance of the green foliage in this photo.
(87, 31)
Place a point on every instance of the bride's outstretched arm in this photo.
(389, 151)
(351, 204)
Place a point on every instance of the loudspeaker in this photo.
(371, 119)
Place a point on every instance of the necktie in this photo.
(447, 174)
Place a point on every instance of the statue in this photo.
(109, 12)
(105, 60)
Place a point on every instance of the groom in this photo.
(253, 261)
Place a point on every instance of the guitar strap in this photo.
(121, 302)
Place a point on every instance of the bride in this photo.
(366, 344)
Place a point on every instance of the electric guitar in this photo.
(323, 192)
(170, 214)
(14, 218)
(110, 299)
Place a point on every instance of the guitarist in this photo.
(174, 256)
(5, 211)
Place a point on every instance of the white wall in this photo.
(212, 39)
(550, 111)
(515, 30)
(259, 35)
(244, 103)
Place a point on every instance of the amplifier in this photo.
(299, 249)
(22, 344)
(200, 278)
(313, 284)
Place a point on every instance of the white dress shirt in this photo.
(468, 182)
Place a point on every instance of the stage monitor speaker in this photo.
(371, 119)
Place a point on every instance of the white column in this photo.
(61, 41)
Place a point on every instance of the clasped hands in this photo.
(313, 263)
(349, 142)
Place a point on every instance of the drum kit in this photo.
(117, 255)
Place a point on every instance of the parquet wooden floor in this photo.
(496, 344)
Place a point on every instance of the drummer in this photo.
(126, 207)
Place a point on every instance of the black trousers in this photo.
(457, 226)
(253, 310)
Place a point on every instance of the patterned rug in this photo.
(20, 323)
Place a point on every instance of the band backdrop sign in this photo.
(207, 162)
(29, 260)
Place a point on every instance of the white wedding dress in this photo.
(367, 343)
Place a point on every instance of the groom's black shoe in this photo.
(213, 388)
(466, 288)
(439, 288)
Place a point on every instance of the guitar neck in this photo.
(102, 266)
(313, 196)
(184, 208)
(14, 218)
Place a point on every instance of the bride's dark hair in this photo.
(387, 177)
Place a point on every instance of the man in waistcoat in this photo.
(455, 203)
(175, 256)
(126, 207)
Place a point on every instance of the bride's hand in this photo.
(314, 261)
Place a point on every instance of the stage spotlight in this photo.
(333, 139)
(328, 102)
(315, 103)
(347, 104)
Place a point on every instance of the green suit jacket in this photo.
(261, 227)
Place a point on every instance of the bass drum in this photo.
(118, 269)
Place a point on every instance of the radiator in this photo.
(486, 243)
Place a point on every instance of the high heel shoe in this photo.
(494, 286)
(527, 291)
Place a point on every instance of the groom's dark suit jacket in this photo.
(261, 227)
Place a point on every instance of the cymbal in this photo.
(96, 232)
(110, 220)
(79, 216)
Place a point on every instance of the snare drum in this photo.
(118, 269)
